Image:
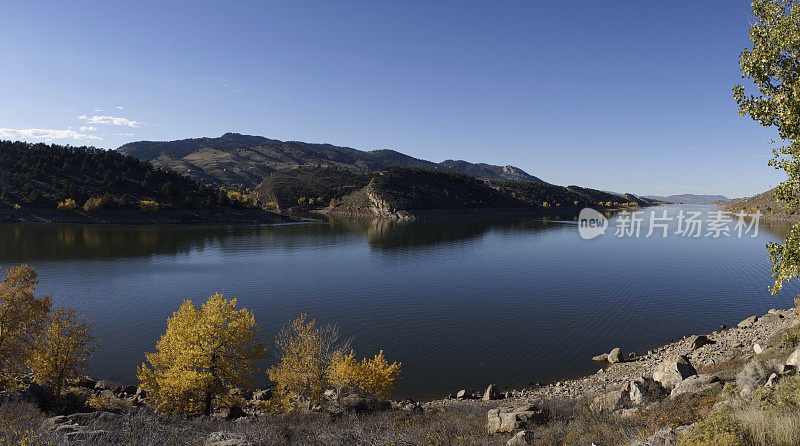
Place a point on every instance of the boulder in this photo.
(601, 358)
(521, 438)
(772, 380)
(747, 323)
(461, 394)
(672, 371)
(695, 384)
(758, 349)
(698, 341)
(644, 390)
(82, 381)
(615, 356)
(510, 419)
(794, 359)
(222, 438)
(491, 393)
(105, 384)
(663, 437)
(611, 401)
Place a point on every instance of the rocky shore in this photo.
(626, 386)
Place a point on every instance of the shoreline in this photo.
(731, 344)
(138, 217)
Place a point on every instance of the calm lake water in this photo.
(461, 303)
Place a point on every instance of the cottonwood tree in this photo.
(205, 353)
(62, 350)
(372, 376)
(22, 317)
(773, 65)
(305, 351)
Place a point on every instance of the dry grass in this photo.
(769, 428)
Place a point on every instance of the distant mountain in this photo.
(690, 198)
(235, 159)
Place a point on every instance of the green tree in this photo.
(773, 65)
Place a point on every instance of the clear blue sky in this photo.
(630, 96)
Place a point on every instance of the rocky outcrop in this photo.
(669, 373)
(512, 418)
(695, 384)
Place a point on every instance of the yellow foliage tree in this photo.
(305, 353)
(92, 204)
(62, 350)
(148, 205)
(375, 376)
(67, 205)
(205, 352)
(22, 318)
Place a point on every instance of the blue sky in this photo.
(629, 96)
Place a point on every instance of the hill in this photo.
(765, 202)
(39, 177)
(235, 159)
(690, 198)
(409, 193)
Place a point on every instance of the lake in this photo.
(461, 304)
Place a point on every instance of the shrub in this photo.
(791, 337)
(754, 374)
(720, 430)
(302, 201)
(770, 427)
(148, 205)
(205, 352)
(92, 204)
(67, 205)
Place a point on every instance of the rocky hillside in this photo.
(235, 159)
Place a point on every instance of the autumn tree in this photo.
(62, 351)
(22, 317)
(305, 351)
(205, 352)
(373, 376)
(773, 66)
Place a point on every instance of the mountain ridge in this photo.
(234, 159)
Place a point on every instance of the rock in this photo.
(610, 401)
(222, 438)
(644, 390)
(520, 439)
(695, 384)
(698, 341)
(53, 422)
(626, 413)
(509, 419)
(266, 394)
(105, 384)
(785, 369)
(747, 323)
(615, 356)
(672, 371)
(491, 393)
(664, 437)
(758, 349)
(794, 359)
(86, 436)
(82, 381)
(601, 358)
(461, 394)
(773, 379)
